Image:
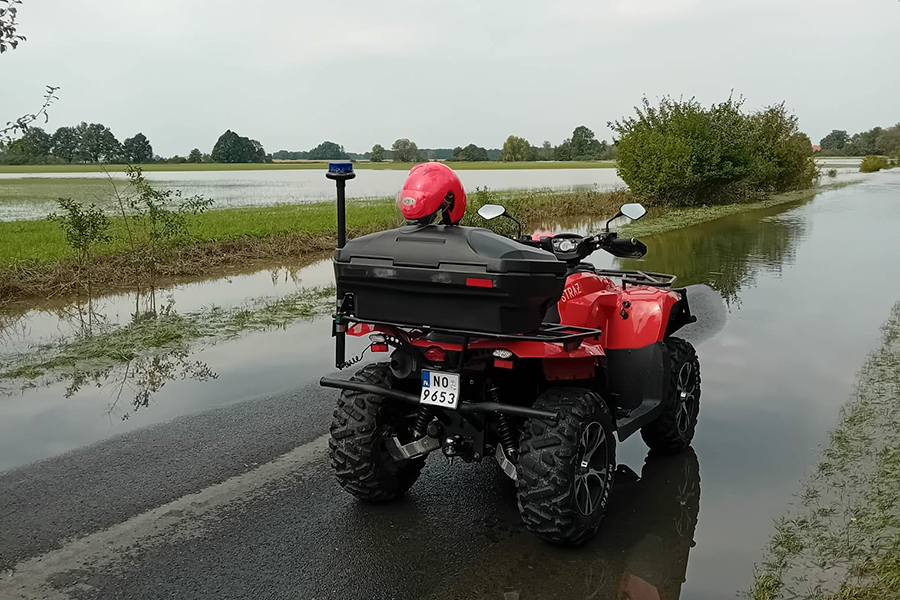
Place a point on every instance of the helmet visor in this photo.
(415, 204)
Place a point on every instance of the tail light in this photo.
(379, 343)
(435, 355)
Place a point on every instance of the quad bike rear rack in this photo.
(553, 333)
(569, 336)
(639, 277)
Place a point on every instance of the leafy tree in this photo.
(65, 143)
(233, 148)
(154, 219)
(515, 149)
(471, 153)
(137, 149)
(97, 144)
(34, 143)
(836, 140)
(195, 156)
(9, 39)
(327, 150)
(377, 153)
(405, 151)
(865, 143)
(85, 227)
(547, 150)
(680, 153)
(889, 140)
(564, 150)
(584, 144)
(782, 155)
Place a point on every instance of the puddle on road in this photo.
(806, 293)
(22, 329)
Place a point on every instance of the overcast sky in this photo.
(292, 73)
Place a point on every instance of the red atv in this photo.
(514, 350)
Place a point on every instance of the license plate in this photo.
(440, 389)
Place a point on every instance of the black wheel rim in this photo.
(592, 469)
(686, 396)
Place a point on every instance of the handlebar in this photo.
(585, 245)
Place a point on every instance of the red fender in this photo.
(632, 316)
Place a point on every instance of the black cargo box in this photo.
(449, 277)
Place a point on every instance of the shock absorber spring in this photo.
(423, 417)
(507, 437)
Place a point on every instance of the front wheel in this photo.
(565, 469)
(673, 429)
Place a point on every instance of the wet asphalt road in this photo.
(239, 502)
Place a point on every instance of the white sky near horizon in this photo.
(443, 73)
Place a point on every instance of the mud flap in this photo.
(680, 314)
(636, 381)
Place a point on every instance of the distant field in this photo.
(280, 166)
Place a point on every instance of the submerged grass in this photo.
(161, 332)
(842, 540)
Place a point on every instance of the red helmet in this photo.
(431, 189)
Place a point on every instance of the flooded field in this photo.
(265, 188)
(804, 288)
(33, 196)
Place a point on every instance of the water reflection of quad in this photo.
(657, 531)
(641, 553)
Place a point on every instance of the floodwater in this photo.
(805, 286)
(265, 188)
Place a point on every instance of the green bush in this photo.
(872, 163)
(681, 153)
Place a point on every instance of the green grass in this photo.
(43, 242)
(842, 539)
(323, 165)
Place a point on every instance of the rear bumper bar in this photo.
(477, 407)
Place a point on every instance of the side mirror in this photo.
(633, 211)
(491, 211)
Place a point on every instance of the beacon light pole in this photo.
(340, 173)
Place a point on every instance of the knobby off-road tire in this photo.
(361, 425)
(565, 469)
(673, 430)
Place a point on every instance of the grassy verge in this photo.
(162, 333)
(842, 540)
(315, 165)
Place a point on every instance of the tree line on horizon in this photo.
(582, 145)
(96, 143)
(876, 141)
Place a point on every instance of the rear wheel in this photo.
(361, 426)
(565, 469)
(673, 430)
